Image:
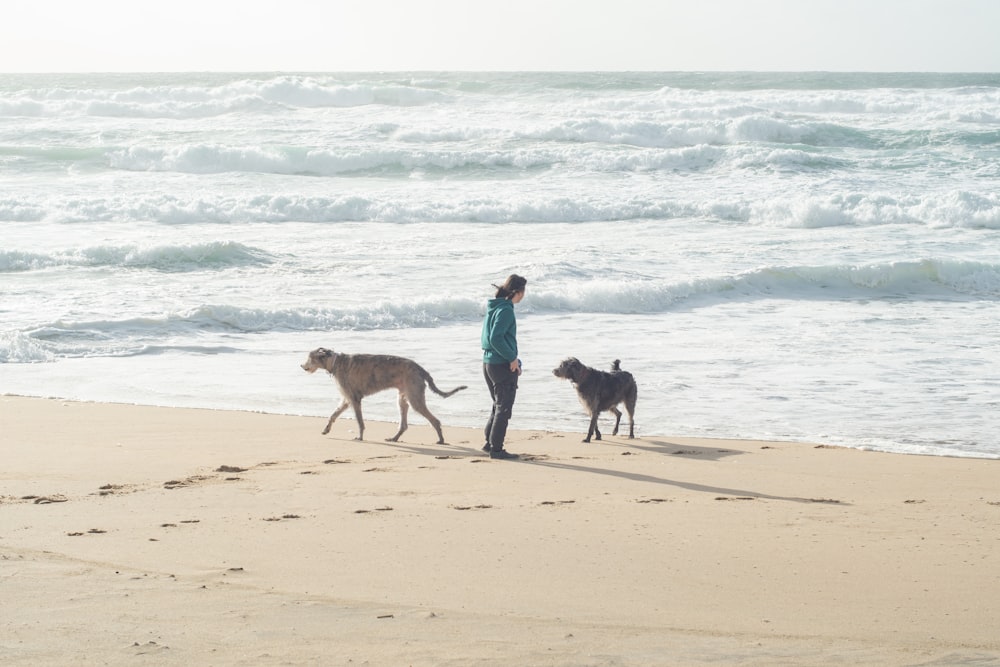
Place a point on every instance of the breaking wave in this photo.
(168, 258)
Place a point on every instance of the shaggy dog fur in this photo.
(600, 391)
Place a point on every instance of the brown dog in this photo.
(360, 375)
(600, 391)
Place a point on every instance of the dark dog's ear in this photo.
(323, 352)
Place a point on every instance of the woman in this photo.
(500, 363)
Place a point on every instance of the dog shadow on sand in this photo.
(664, 447)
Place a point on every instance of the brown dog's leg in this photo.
(356, 403)
(336, 413)
(419, 401)
(404, 406)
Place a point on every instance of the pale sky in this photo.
(393, 35)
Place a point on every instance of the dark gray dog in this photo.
(600, 391)
(360, 375)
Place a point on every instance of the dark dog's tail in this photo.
(434, 388)
(616, 365)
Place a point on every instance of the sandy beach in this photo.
(142, 535)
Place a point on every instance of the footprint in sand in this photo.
(174, 525)
(148, 648)
(45, 500)
(654, 500)
(190, 481)
(557, 502)
(283, 517)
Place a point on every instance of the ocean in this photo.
(785, 256)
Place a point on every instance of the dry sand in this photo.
(139, 535)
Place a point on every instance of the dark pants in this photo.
(503, 387)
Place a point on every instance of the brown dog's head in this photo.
(570, 369)
(319, 359)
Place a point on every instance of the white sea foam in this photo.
(509, 202)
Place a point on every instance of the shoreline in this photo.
(230, 537)
(580, 420)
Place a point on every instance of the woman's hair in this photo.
(511, 286)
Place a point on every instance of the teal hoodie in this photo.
(499, 339)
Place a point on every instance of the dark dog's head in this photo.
(570, 369)
(320, 359)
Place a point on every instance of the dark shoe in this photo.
(503, 454)
(486, 448)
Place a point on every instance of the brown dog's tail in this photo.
(434, 388)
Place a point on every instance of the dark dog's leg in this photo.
(630, 408)
(404, 406)
(593, 430)
(336, 413)
(618, 419)
(595, 414)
